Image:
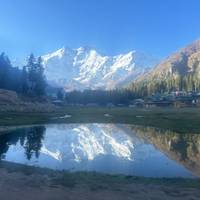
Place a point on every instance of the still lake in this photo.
(105, 148)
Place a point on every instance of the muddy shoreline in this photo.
(22, 182)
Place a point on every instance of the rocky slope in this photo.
(184, 62)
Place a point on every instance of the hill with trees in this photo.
(180, 71)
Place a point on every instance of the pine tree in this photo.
(31, 75)
(24, 81)
(5, 66)
(40, 78)
(36, 78)
(60, 94)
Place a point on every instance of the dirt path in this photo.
(20, 186)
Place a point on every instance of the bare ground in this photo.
(15, 185)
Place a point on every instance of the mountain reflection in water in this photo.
(108, 148)
(183, 148)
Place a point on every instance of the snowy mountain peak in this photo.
(59, 53)
(84, 49)
(84, 68)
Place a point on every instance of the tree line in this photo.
(143, 89)
(187, 83)
(29, 80)
(100, 97)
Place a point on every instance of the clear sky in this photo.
(157, 27)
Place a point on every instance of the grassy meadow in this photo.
(181, 120)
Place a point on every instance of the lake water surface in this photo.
(105, 148)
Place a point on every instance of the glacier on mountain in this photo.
(85, 68)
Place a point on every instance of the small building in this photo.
(121, 105)
(58, 102)
(110, 105)
(137, 103)
(158, 103)
(92, 105)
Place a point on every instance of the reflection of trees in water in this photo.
(186, 145)
(29, 138)
(34, 141)
(184, 148)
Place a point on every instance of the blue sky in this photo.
(157, 27)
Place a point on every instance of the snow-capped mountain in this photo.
(85, 68)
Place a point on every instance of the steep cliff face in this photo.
(85, 68)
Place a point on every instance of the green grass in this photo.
(182, 120)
